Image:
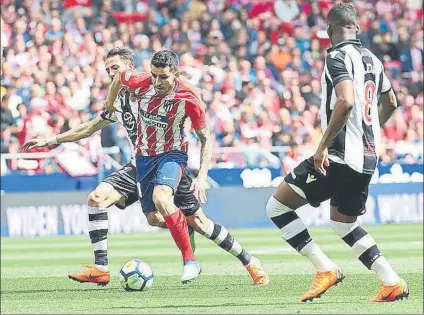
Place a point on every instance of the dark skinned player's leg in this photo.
(301, 186)
(345, 209)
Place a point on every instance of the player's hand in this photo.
(199, 186)
(109, 106)
(35, 143)
(321, 160)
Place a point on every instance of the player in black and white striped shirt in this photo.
(353, 85)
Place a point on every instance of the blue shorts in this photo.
(162, 169)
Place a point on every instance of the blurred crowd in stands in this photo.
(257, 63)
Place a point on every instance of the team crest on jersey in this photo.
(167, 105)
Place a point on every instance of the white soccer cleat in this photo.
(192, 270)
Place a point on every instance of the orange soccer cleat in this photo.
(323, 281)
(392, 293)
(91, 274)
(257, 272)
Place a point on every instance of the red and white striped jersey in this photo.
(160, 119)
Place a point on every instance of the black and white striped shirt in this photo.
(358, 143)
(125, 114)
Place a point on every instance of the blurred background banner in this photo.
(65, 213)
(44, 214)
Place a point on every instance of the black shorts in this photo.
(184, 197)
(347, 189)
(124, 181)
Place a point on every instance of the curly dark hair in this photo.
(122, 51)
(342, 14)
(165, 58)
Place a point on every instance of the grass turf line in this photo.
(41, 285)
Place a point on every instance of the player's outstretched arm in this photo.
(388, 104)
(199, 184)
(82, 131)
(114, 89)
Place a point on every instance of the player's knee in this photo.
(103, 199)
(162, 196)
(275, 208)
(155, 219)
(93, 199)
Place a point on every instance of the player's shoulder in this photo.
(135, 79)
(335, 56)
(187, 91)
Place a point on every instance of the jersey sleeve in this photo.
(136, 82)
(195, 109)
(386, 85)
(337, 68)
(109, 116)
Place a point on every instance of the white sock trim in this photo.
(98, 225)
(293, 228)
(221, 236)
(209, 230)
(343, 229)
(363, 244)
(236, 249)
(318, 258)
(94, 210)
(274, 208)
(104, 268)
(102, 245)
(385, 271)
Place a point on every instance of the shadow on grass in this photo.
(223, 305)
(57, 290)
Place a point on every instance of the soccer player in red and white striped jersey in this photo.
(164, 103)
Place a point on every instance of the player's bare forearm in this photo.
(114, 89)
(387, 107)
(82, 131)
(205, 151)
(341, 112)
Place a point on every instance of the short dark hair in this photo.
(165, 58)
(342, 14)
(122, 51)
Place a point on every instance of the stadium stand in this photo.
(257, 63)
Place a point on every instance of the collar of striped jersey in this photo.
(344, 43)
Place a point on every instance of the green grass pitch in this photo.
(34, 275)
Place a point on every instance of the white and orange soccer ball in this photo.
(136, 275)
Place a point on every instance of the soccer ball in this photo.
(136, 275)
